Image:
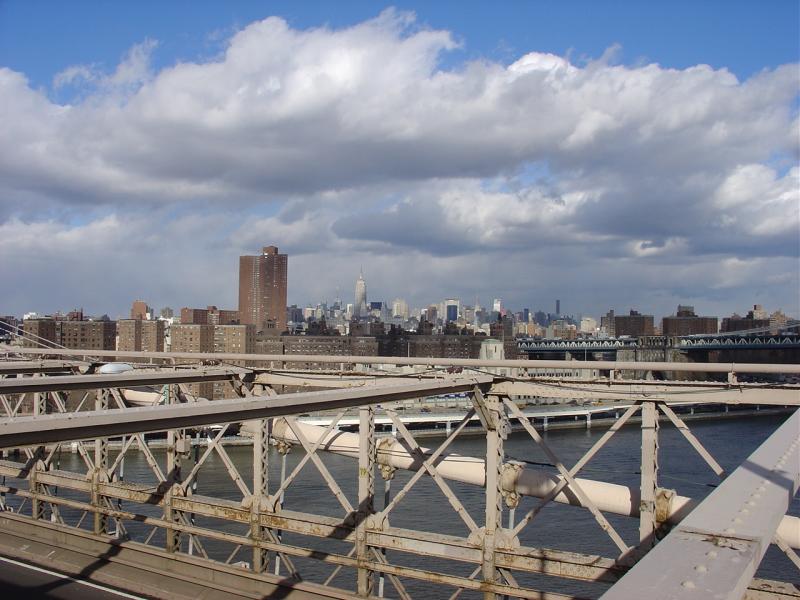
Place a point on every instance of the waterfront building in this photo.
(634, 324)
(263, 289)
(232, 339)
(137, 335)
(39, 332)
(755, 319)
(87, 335)
(588, 326)
(560, 329)
(193, 337)
(777, 321)
(686, 322)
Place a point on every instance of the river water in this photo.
(425, 508)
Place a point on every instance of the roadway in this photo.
(20, 580)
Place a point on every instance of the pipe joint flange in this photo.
(383, 449)
(387, 472)
(664, 499)
(512, 498)
(284, 447)
(509, 474)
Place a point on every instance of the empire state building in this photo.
(360, 307)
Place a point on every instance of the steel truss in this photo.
(102, 504)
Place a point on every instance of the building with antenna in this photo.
(361, 309)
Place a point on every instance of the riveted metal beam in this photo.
(39, 366)
(25, 431)
(716, 549)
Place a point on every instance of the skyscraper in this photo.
(361, 309)
(262, 290)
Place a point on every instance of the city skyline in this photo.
(451, 154)
(250, 267)
(262, 289)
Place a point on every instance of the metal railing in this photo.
(288, 519)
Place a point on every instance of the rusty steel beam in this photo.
(455, 362)
(631, 391)
(17, 367)
(715, 551)
(44, 429)
(569, 565)
(117, 380)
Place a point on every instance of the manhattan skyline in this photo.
(607, 168)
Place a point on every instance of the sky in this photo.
(611, 155)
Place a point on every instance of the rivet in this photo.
(712, 554)
(730, 530)
(688, 584)
(737, 520)
(701, 568)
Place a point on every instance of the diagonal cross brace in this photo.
(287, 481)
(323, 470)
(573, 485)
(428, 465)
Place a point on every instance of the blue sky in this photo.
(611, 154)
(42, 38)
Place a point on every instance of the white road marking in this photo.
(62, 576)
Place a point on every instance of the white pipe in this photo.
(608, 497)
